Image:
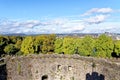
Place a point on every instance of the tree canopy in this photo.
(102, 46)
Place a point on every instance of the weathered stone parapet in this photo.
(61, 67)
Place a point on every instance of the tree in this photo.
(14, 39)
(117, 47)
(10, 49)
(68, 45)
(38, 43)
(3, 43)
(18, 44)
(104, 46)
(48, 43)
(58, 45)
(27, 46)
(87, 46)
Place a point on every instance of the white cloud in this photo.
(113, 27)
(18, 26)
(64, 25)
(57, 25)
(30, 23)
(98, 10)
(73, 26)
(97, 15)
(96, 19)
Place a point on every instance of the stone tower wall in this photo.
(61, 67)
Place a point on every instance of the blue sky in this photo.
(59, 16)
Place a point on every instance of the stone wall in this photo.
(61, 67)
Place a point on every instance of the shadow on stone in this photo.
(94, 76)
(3, 72)
(114, 55)
(45, 77)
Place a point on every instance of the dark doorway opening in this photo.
(44, 77)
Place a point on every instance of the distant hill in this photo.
(13, 34)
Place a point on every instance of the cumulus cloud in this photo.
(36, 26)
(64, 26)
(29, 23)
(97, 15)
(96, 19)
(98, 10)
(18, 26)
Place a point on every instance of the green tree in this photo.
(48, 43)
(10, 49)
(27, 46)
(58, 45)
(14, 39)
(3, 43)
(38, 43)
(18, 44)
(117, 47)
(104, 46)
(87, 46)
(78, 42)
(69, 45)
